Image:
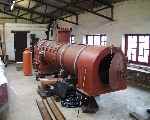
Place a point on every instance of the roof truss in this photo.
(68, 9)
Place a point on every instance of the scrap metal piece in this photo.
(90, 105)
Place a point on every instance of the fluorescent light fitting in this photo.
(12, 5)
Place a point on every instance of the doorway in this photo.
(20, 43)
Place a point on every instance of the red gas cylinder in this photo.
(27, 62)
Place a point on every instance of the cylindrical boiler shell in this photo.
(94, 66)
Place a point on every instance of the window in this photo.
(95, 40)
(72, 39)
(137, 48)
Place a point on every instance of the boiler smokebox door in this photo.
(115, 71)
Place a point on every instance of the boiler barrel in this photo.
(98, 69)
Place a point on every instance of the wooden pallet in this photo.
(49, 110)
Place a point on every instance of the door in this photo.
(20, 43)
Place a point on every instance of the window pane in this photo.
(132, 47)
(90, 40)
(84, 40)
(123, 44)
(73, 39)
(103, 40)
(96, 40)
(143, 49)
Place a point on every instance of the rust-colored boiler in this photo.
(97, 69)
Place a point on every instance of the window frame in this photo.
(100, 35)
(137, 50)
(72, 39)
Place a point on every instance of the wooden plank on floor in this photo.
(56, 111)
(44, 113)
(51, 113)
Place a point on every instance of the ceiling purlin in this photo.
(104, 2)
(67, 5)
(53, 17)
(43, 18)
(7, 17)
(19, 1)
(28, 8)
(17, 15)
(38, 16)
(74, 4)
(55, 6)
(34, 7)
(100, 9)
(87, 10)
(33, 12)
(13, 15)
(29, 4)
(21, 8)
(45, 12)
(63, 19)
(16, 9)
(24, 14)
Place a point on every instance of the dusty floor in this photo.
(22, 96)
(113, 106)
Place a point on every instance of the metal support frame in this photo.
(26, 13)
(55, 6)
(32, 12)
(17, 15)
(19, 1)
(7, 17)
(45, 12)
(25, 10)
(39, 16)
(90, 11)
(106, 7)
(59, 8)
(13, 15)
(33, 8)
(65, 10)
(76, 23)
(67, 5)
(104, 2)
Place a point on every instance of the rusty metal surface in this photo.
(98, 69)
(64, 35)
(69, 58)
(117, 72)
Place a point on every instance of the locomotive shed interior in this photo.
(74, 60)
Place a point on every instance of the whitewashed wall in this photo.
(132, 16)
(1, 31)
(37, 29)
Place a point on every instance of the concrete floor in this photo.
(22, 96)
(113, 106)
